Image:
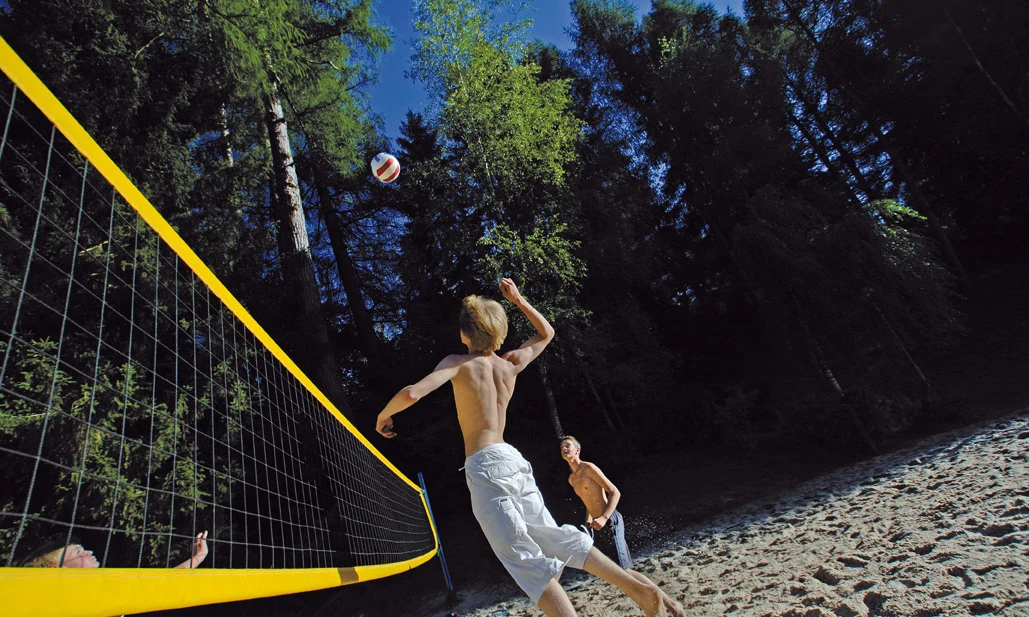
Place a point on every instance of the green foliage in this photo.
(512, 128)
(508, 129)
(485, 191)
(546, 261)
(36, 379)
(114, 452)
(896, 216)
(452, 32)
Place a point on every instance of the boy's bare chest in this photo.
(582, 484)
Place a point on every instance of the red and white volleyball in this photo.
(386, 167)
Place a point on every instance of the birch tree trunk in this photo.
(317, 357)
(223, 127)
(297, 264)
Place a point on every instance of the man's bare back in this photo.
(482, 389)
(483, 382)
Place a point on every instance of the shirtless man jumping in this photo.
(505, 499)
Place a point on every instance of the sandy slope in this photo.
(938, 529)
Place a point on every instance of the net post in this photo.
(439, 541)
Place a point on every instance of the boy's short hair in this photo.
(484, 322)
(573, 440)
(49, 553)
(47, 560)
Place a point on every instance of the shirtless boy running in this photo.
(599, 495)
(505, 499)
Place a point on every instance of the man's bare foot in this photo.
(650, 600)
(656, 603)
(673, 608)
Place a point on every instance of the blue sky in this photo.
(395, 94)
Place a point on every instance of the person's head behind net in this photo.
(56, 554)
(484, 323)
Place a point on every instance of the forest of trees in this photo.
(746, 229)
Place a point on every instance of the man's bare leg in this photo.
(672, 604)
(554, 602)
(647, 595)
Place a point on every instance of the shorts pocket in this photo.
(510, 523)
(501, 470)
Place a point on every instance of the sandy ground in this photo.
(941, 528)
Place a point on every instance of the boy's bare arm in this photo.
(533, 347)
(613, 494)
(199, 552)
(444, 372)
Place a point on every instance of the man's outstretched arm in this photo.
(533, 347)
(444, 372)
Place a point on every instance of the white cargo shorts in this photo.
(522, 533)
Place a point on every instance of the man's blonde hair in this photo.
(48, 560)
(484, 322)
(573, 440)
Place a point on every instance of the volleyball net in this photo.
(141, 405)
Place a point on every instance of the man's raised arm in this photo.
(531, 348)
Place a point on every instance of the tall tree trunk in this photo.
(593, 390)
(223, 127)
(363, 322)
(555, 420)
(979, 65)
(818, 357)
(926, 386)
(921, 203)
(315, 351)
(614, 411)
(297, 264)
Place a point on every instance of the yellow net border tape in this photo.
(108, 591)
(102, 592)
